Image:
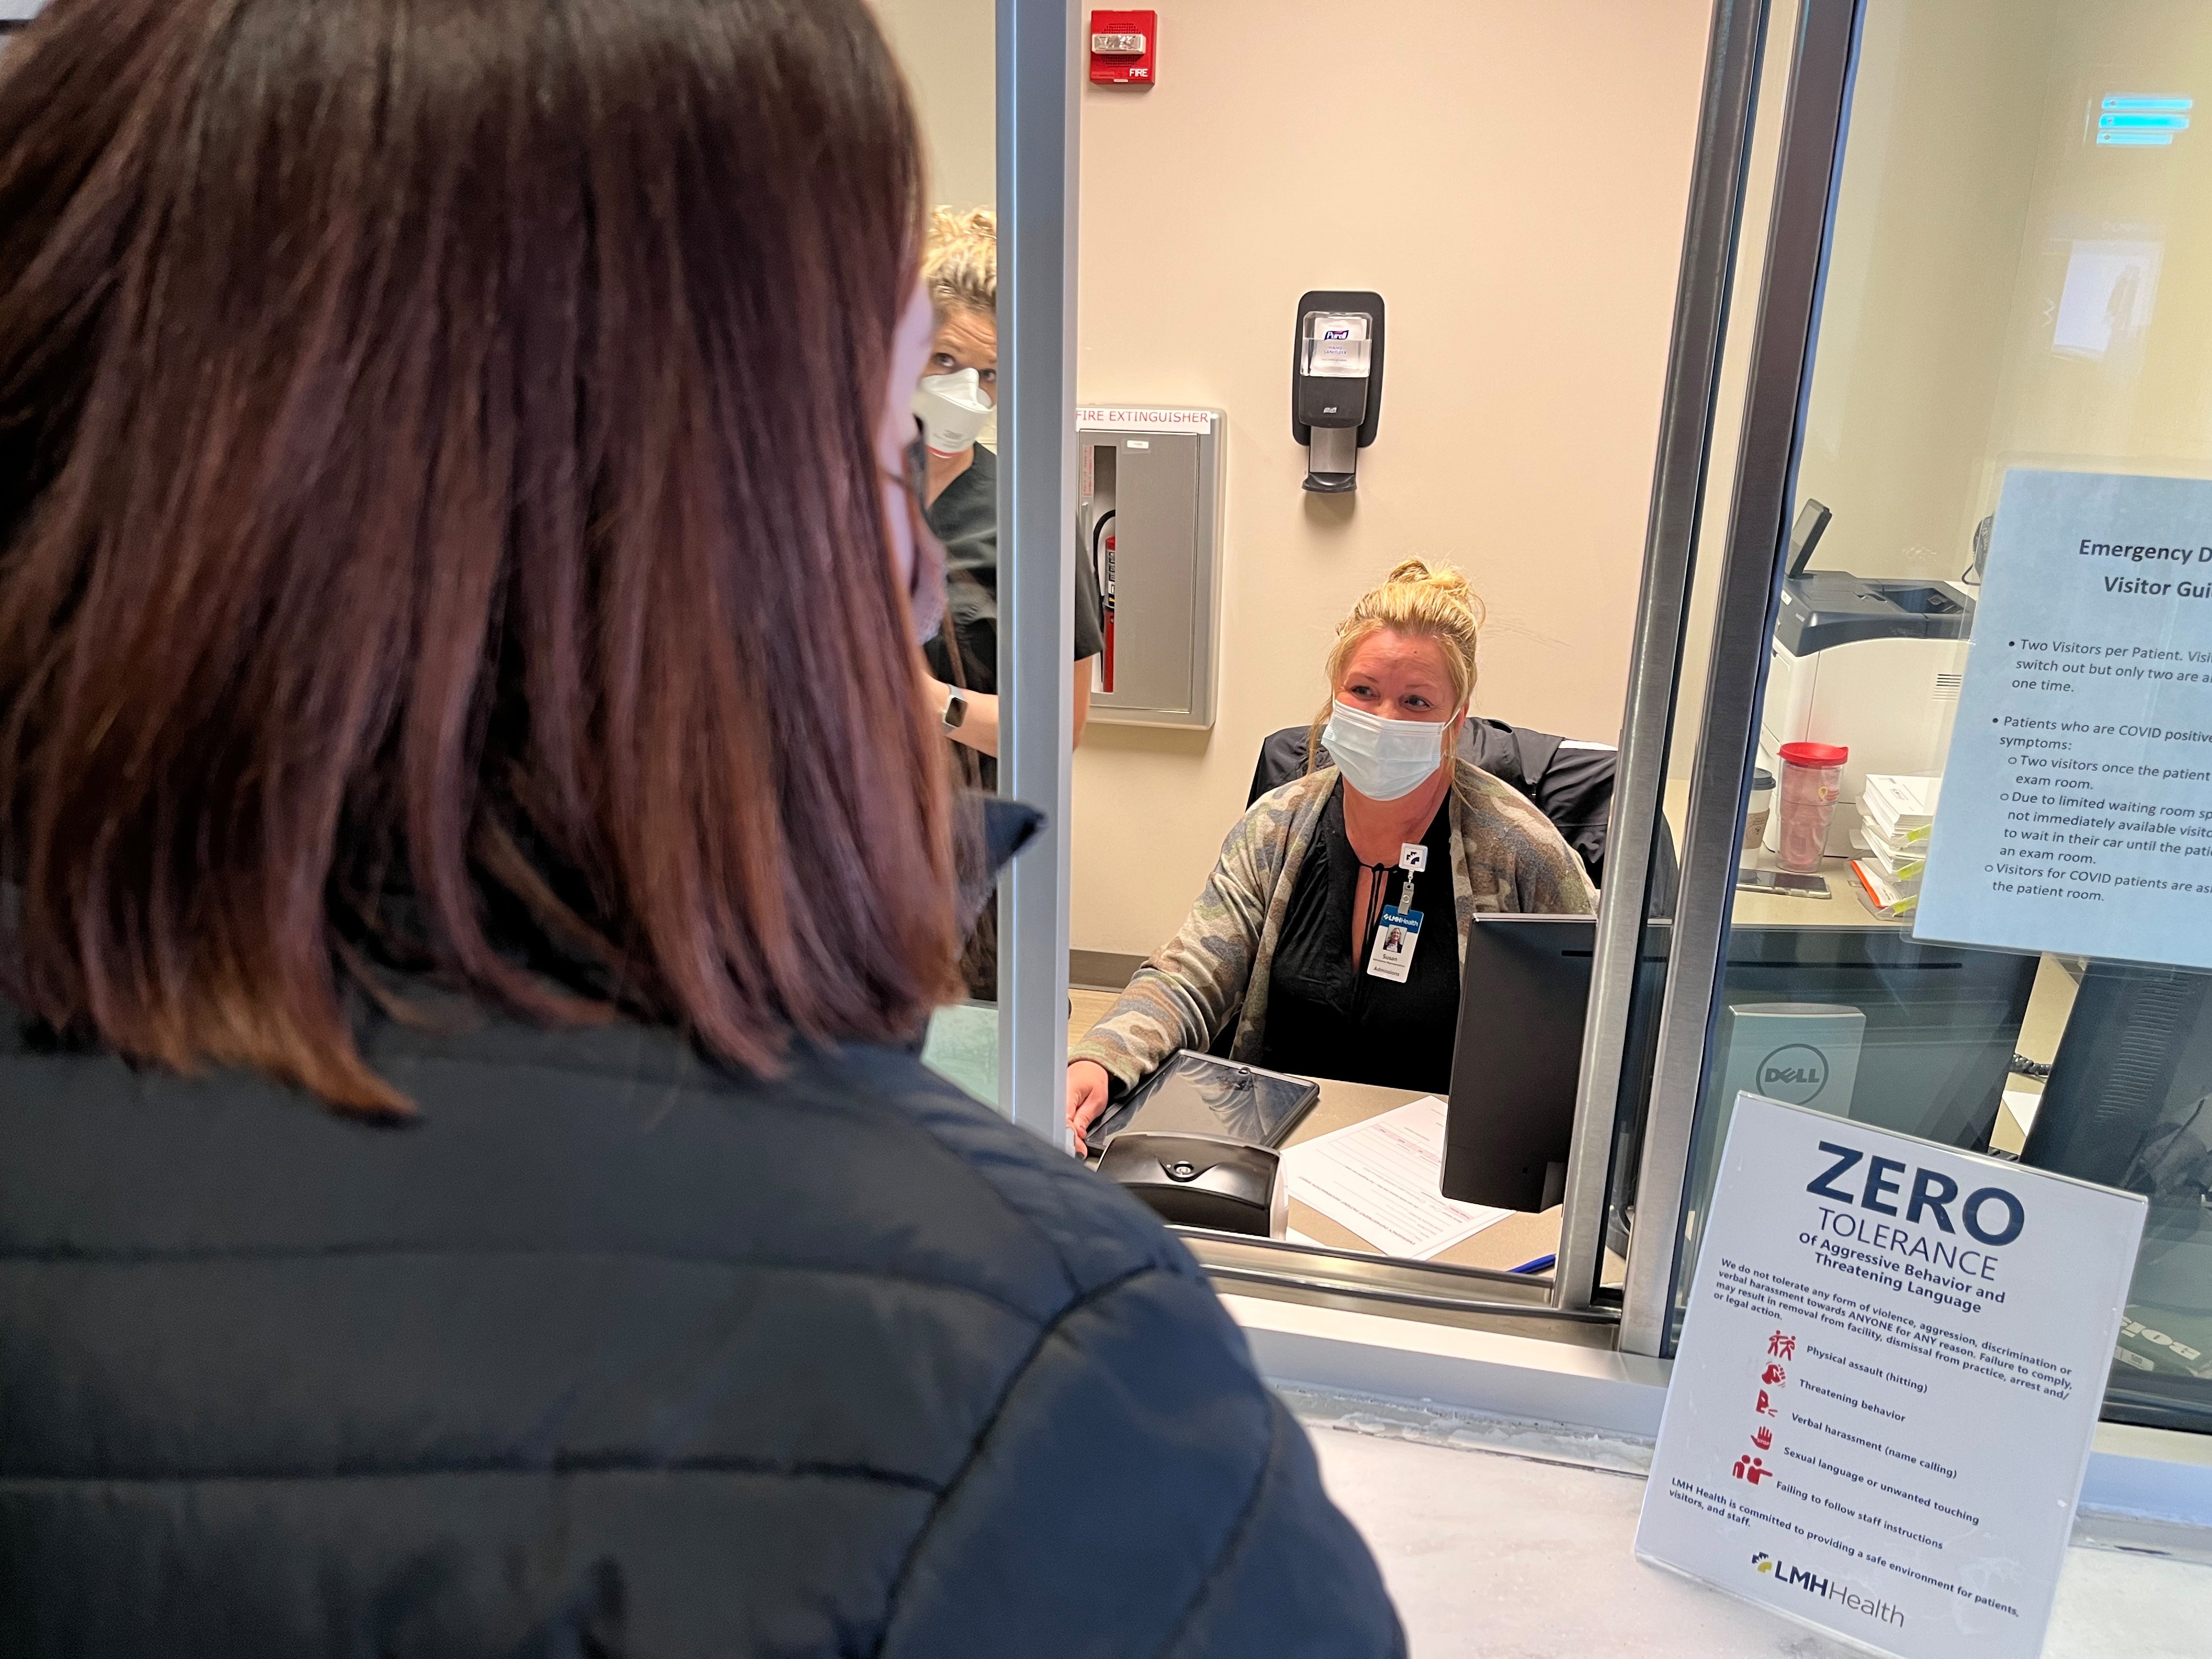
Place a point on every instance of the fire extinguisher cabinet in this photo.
(1149, 519)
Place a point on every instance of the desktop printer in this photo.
(1873, 664)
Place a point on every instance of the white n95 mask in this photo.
(951, 409)
(1383, 759)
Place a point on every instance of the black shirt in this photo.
(965, 517)
(1326, 1015)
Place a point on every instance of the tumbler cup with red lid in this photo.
(1812, 777)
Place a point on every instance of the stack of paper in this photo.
(1901, 857)
(1882, 893)
(1899, 808)
(1382, 1179)
(1895, 815)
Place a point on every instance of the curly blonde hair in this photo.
(960, 260)
(1429, 602)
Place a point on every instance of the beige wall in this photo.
(1942, 152)
(1731, 391)
(1968, 185)
(1511, 178)
(2142, 401)
(949, 50)
(1969, 189)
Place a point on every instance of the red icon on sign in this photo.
(1763, 1408)
(1763, 1439)
(1751, 1469)
(1774, 1376)
(1779, 1346)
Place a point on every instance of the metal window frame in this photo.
(1814, 117)
(1038, 147)
(1685, 422)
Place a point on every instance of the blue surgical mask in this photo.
(1383, 759)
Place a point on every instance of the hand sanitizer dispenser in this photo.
(1336, 383)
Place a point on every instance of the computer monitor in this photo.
(1921, 1036)
(2126, 1106)
(1937, 1029)
(1516, 1062)
(1943, 1021)
(2137, 1045)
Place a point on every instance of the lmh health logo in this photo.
(1826, 1589)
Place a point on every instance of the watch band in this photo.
(956, 710)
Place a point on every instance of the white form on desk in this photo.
(1380, 1178)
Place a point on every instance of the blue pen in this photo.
(1537, 1266)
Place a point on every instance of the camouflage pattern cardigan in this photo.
(1506, 856)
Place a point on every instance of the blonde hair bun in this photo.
(960, 260)
(1445, 580)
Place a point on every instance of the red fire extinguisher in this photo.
(1102, 563)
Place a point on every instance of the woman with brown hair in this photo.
(473, 859)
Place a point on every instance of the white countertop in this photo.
(1500, 1555)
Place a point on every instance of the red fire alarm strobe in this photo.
(1125, 48)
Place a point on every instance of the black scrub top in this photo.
(1328, 1017)
(965, 517)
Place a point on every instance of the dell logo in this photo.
(1797, 1072)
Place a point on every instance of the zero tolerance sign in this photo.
(1889, 1374)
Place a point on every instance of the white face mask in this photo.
(1383, 759)
(951, 409)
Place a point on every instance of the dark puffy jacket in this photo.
(613, 1354)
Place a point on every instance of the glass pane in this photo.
(2013, 282)
(948, 50)
(1760, 171)
(1521, 346)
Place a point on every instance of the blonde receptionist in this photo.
(1331, 931)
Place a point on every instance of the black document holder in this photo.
(1196, 1094)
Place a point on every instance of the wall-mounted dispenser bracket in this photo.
(1336, 383)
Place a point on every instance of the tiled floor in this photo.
(1507, 1558)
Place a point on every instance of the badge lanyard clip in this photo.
(1399, 932)
(1412, 858)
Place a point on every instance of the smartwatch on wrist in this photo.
(956, 710)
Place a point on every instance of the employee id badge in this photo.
(1395, 936)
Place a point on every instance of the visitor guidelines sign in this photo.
(1889, 1374)
(2077, 793)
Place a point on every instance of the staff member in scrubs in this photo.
(1329, 956)
(955, 401)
